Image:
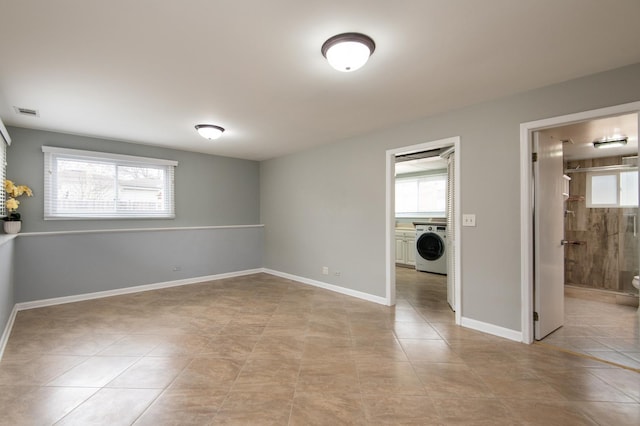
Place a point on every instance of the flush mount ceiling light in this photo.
(209, 131)
(349, 51)
(610, 143)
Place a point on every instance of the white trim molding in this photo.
(128, 290)
(495, 330)
(327, 286)
(526, 199)
(105, 231)
(4, 339)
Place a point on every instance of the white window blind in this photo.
(3, 176)
(97, 185)
(421, 196)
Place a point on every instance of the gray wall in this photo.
(326, 206)
(58, 265)
(7, 299)
(210, 190)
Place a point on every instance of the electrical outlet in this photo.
(468, 220)
(325, 270)
(337, 273)
(177, 268)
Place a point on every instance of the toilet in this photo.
(636, 284)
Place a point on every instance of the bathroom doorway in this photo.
(600, 238)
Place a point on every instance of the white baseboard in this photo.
(331, 287)
(135, 289)
(7, 330)
(496, 330)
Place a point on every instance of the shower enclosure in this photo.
(601, 243)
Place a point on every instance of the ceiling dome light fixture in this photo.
(348, 52)
(209, 131)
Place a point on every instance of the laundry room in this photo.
(423, 201)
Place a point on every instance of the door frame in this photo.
(526, 199)
(390, 297)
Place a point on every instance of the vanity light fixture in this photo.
(610, 143)
(209, 131)
(348, 52)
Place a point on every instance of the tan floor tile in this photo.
(94, 372)
(548, 413)
(39, 405)
(385, 409)
(623, 380)
(327, 409)
(429, 351)
(611, 413)
(580, 385)
(475, 411)
(181, 345)
(377, 350)
(255, 339)
(397, 378)
(132, 345)
(266, 374)
(228, 346)
(215, 373)
(255, 408)
(150, 373)
(239, 329)
(278, 347)
(178, 407)
(36, 370)
(112, 407)
(409, 330)
(451, 380)
(318, 376)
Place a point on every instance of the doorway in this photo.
(454, 269)
(530, 291)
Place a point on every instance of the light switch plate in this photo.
(468, 220)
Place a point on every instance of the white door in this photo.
(549, 206)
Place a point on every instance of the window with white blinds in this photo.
(97, 185)
(421, 196)
(3, 176)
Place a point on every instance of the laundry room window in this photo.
(616, 188)
(98, 185)
(421, 196)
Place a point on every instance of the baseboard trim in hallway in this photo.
(496, 330)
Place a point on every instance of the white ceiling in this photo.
(147, 71)
(580, 137)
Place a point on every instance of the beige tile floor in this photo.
(262, 350)
(604, 330)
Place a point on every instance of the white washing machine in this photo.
(431, 248)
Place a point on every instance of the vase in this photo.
(12, 226)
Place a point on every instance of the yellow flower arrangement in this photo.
(14, 191)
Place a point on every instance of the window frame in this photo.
(54, 154)
(616, 173)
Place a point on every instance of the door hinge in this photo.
(535, 316)
(534, 157)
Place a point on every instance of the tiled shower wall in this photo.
(609, 258)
